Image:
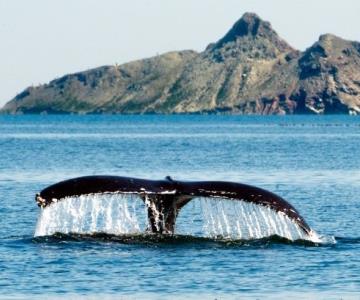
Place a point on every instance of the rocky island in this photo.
(250, 70)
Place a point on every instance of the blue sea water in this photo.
(313, 162)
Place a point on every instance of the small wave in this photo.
(347, 240)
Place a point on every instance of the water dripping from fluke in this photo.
(129, 209)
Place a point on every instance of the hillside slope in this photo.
(251, 70)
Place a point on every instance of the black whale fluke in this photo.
(167, 196)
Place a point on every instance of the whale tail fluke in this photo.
(164, 199)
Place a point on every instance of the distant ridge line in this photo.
(250, 70)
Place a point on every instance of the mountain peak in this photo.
(250, 25)
(330, 45)
(250, 37)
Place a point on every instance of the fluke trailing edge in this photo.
(165, 198)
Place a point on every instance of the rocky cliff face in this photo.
(251, 70)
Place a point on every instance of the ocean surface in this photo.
(312, 161)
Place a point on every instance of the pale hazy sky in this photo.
(44, 39)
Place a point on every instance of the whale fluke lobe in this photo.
(164, 199)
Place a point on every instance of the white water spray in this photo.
(233, 219)
(109, 213)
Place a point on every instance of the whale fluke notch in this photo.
(165, 198)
